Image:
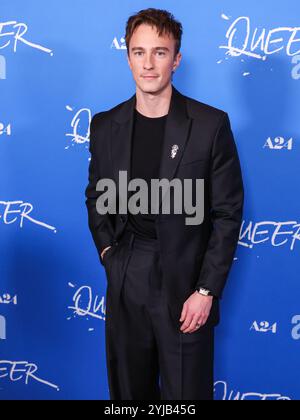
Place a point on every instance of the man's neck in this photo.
(154, 105)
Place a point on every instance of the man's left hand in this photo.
(196, 310)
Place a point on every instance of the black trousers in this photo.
(148, 357)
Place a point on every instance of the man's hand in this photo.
(196, 310)
(103, 252)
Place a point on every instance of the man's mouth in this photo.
(150, 77)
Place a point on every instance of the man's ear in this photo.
(177, 61)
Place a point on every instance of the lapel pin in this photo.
(174, 150)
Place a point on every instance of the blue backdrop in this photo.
(60, 63)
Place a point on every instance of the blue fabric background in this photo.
(72, 65)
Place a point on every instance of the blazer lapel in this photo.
(176, 134)
(121, 135)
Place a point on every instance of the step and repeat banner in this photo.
(60, 63)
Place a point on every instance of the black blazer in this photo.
(192, 255)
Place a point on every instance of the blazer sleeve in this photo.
(226, 194)
(99, 225)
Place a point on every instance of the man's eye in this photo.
(161, 53)
(138, 52)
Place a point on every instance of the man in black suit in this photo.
(165, 276)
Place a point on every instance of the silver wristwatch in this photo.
(204, 292)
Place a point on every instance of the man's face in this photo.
(151, 55)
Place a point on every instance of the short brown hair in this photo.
(163, 20)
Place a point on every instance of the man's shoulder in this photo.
(200, 110)
(109, 113)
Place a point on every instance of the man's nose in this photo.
(148, 63)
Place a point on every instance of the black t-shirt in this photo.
(147, 140)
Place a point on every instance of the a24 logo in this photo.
(279, 143)
(7, 299)
(119, 44)
(264, 327)
(5, 129)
